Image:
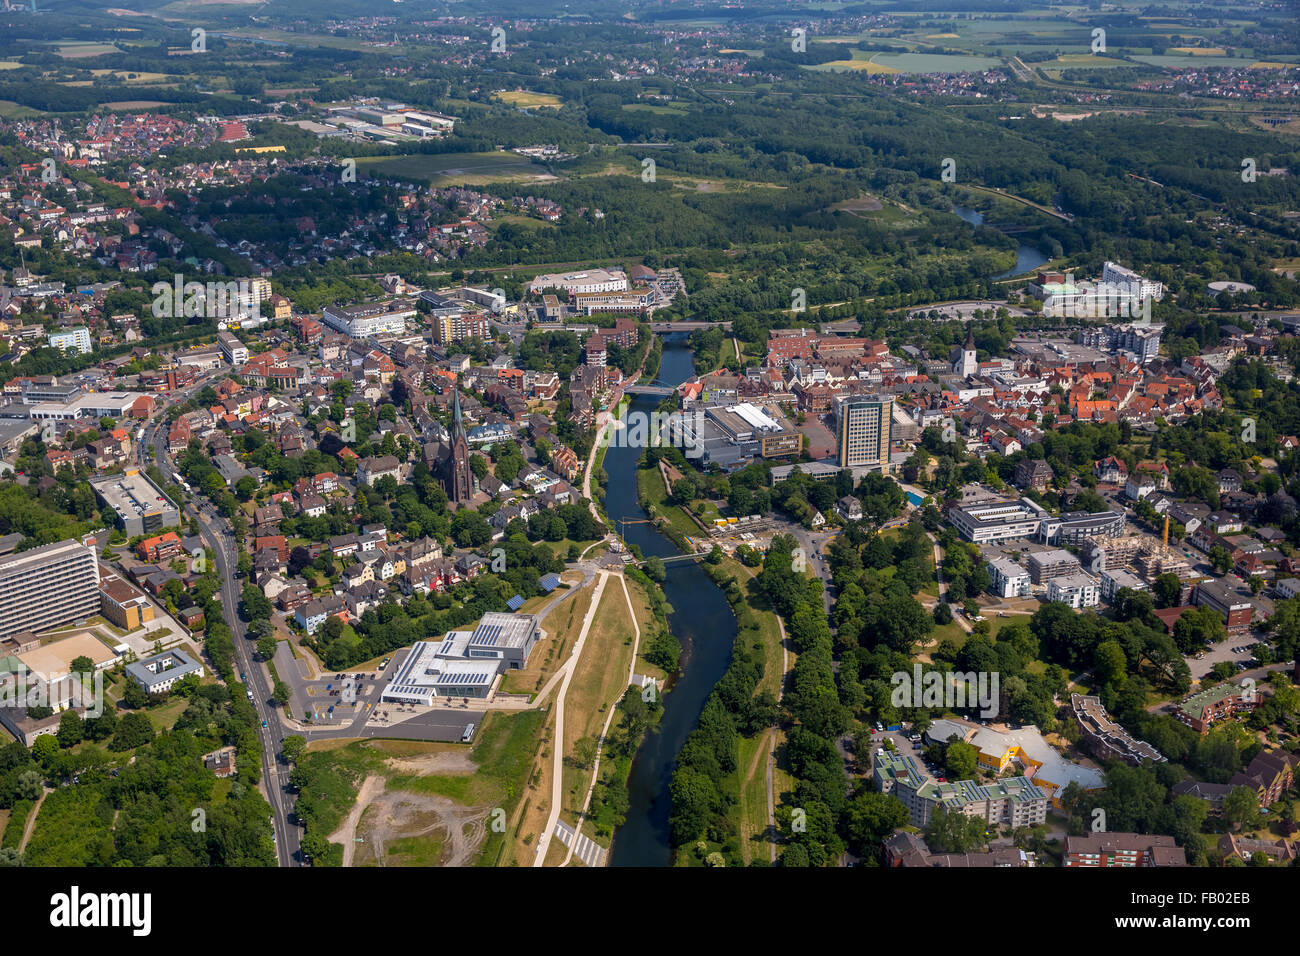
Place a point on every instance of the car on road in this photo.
(249, 693)
(264, 725)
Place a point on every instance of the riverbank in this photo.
(758, 640)
(700, 621)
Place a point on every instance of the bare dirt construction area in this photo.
(399, 828)
(453, 761)
(408, 829)
(863, 203)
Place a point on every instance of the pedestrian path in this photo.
(586, 849)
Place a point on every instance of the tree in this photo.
(294, 746)
(1241, 807)
(1109, 663)
(133, 730)
(955, 832)
(1166, 588)
(960, 760)
(28, 786)
(870, 817)
(280, 693)
(71, 729)
(266, 647)
(45, 749)
(254, 603)
(245, 488)
(655, 570)
(82, 664)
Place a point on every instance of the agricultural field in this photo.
(456, 169)
(528, 99)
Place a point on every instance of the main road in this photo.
(288, 836)
(219, 537)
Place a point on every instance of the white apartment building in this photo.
(47, 586)
(1114, 581)
(77, 340)
(1008, 579)
(359, 321)
(1116, 274)
(1077, 590)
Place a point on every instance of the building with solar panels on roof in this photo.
(464, 663)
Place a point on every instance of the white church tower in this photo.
(965, 362)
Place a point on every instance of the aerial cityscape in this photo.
(664, 433)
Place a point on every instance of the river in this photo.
(1028, 259)
(701, 619)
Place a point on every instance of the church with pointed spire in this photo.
(451, 466)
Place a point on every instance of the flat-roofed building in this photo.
(1077, 590)
(1043, 566)
(464, 663)
(506, 637)
(71, 340)
(359, 321)
(432, 670)
(140, 505)
(1008, 579)
(1237, 610)
(459, 325)
(863, 426)
(47, 586)
(1112, 582)
(235, 351)
(745, 422)
(984, 522)
(1076, 527)
(630, 300)
(576, 283)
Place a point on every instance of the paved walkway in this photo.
(557, 743)
(589, 852)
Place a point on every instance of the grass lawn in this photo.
(599, 682)
(562, 626)
(651, 484)
(164, 716)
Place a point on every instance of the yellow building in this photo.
(122, 604)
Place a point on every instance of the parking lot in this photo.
(341, 697)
